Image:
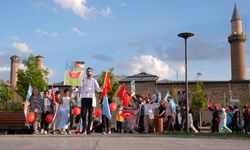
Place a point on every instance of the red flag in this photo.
(106, 85)
(123, 95)
(127, 113)
(52, 95)
(209, 105)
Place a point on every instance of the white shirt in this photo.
(190, 119)
(88, 89)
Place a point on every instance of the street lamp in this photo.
(186, 35)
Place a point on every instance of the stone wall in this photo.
(213, 89)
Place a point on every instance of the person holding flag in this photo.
(87, 90)
(106, 114)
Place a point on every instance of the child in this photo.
(119, 119)
(190, 121)
(63, 115)
(47, 109)
(223, 123)
(56, 102)
(36, 103)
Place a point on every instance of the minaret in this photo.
(237, 41)
(39, 59)
(13, 72)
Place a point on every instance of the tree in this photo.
(174, 93)
(31, 75)
(112, 80)
(198, 98)
(6, 95)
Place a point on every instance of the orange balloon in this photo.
(76, 111)
(49, 118)
(98, 113)
(31, 117)
(112, 107)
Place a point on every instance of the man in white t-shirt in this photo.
(87, 92)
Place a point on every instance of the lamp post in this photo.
(186, 35)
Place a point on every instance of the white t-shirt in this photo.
(88, 89)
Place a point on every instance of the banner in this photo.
(74, 73)
(133, 87)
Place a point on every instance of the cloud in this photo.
(51, 73)
(136, 43)
(77, 6)
(123, 4)
(198, 50)
(2, 53)
(4, 69)
(102, 57)
(45, 33)
(80, 8)
(105, 12)
(148, 64)
(78, 31)
(21, 47)
(22, 67)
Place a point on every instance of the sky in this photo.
(132, 36)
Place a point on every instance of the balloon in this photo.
(31, 117)
(76, 111)
(112, 107)
(49, 118)
(98, 113)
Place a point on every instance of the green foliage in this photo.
(31, 75)
(6, 95)
(112, 80)
(174, 93)
(198, 97)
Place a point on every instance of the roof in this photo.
(140, 77)
(236, 15)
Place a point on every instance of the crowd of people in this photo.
(144, 115)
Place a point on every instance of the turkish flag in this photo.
(127, 113)
(123, 95)
(106, 86)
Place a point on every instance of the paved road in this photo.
(119, 142)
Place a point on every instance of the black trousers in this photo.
(170, 125)
(106, 124)
(119, 126)
(44, 124)
(86, 108)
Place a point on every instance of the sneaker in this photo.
(53, 132)
(62, 133)
(88, 132)
(42, 131)
(35, 132)
(45, 132)
(109, 132)
(68, 132)
(84, 133)
(104, 133)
